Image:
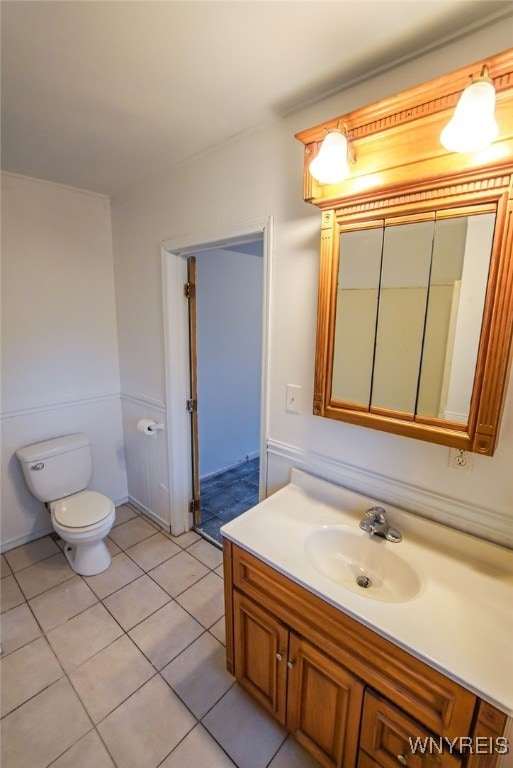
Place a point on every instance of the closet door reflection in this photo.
(401, 314)
(356, 315)
(459, 276)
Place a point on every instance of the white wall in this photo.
(60, 369)
(252, 176)
(229, 348)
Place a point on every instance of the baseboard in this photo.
(149, 513)
(249, 457)
(26, 539)
(17, 542)
(470, 518)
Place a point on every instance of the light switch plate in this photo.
(293, 398)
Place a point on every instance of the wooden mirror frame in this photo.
(394, 176)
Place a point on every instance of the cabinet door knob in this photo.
(402, 759)
(279, 656)
(291, 664)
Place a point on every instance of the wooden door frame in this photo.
(174, 254)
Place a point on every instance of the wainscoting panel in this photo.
(473, 519)
(23, 517)
(146, 458)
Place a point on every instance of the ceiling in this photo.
(100, 94)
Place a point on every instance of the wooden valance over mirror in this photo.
(415, 309)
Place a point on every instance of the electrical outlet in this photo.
(459, 459)
(293, 398)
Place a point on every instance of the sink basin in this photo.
(367, 565)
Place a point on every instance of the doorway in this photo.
(175, 253)
(226, 360)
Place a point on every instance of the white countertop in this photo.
(461, 620)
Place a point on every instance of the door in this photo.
(324, 704)
(192, 404)
(226, 331)
(261, 655)
(176, 351)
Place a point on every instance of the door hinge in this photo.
(192, 406)
(189, 290)
(194, 506)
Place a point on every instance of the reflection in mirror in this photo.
(409, 310)
(459, 275)
(355, 322)
(402, 308)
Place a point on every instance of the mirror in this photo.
(415, 299)
(408, 313)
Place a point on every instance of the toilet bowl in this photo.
(57, 472)
(83, 520)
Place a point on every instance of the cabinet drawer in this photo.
(441, 705)
(491, 718)
(392, 739)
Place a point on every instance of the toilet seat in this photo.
(81, 510)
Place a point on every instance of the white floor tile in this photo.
(144, 729)
(179, 573)
(165, 634)
(205, 600)
(43, 728)
(18, 627)
(135, 602)
(199, 676)
(83, 636)
(248, 734)
(31, 553)
(59, 604)
(198, 750)
(107, 679)
(89, 752)
(26, 672)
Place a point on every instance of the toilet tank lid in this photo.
(53, 447)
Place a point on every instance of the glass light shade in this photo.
(330, 165)
(473, 126)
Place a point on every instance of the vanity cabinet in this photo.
(352, 698)
(307, 691)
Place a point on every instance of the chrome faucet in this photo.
(375, 522)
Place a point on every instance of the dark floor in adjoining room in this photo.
(227, 495)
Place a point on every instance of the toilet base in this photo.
(88, 559)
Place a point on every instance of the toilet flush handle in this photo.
(40, 465)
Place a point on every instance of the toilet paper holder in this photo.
(149, 427)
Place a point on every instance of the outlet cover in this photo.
(459, 459)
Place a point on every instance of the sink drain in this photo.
(363, 581)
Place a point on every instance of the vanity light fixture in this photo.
(473, 126)
(331, 164)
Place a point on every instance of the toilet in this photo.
(57, 472)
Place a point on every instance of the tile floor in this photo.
(227, 495)
(126, 668)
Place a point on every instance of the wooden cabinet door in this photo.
(392, 739)
(261, 644)
(324, 704)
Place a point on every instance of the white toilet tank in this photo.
(57, 468)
